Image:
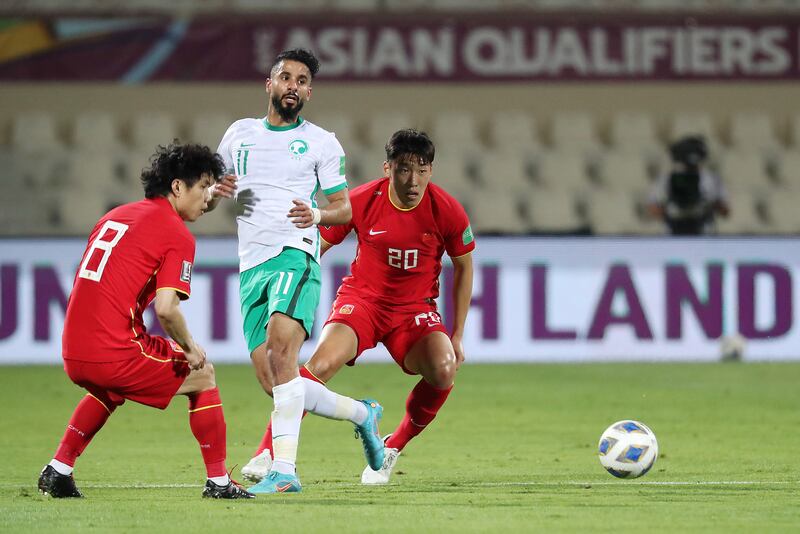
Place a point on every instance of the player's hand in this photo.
(301, 214)
(225, 188)
(196, 357)
(458, 347)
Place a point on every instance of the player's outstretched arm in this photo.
(169, 315)
(225, 188)
(338, 211)
(462, 295)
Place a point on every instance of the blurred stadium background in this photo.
(552, 118)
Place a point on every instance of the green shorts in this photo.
(289, 283)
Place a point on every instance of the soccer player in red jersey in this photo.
(135, 253)
(404, 224)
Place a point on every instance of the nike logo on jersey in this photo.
(373, 232)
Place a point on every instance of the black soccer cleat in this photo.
(232, 491)
(56, 485)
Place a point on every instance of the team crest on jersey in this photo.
(346, 309)
(298, 148)
(186, 272)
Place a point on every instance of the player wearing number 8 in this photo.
(136, 253)
(404, 223)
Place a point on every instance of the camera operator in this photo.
(689, 196)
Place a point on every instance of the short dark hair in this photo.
(306, 57)
(186, 162)
(690, 150)
(410, 142)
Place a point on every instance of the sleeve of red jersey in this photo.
(458, 238)
(176, 268)
(335, 234)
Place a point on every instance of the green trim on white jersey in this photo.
(334, 189)
(275, 165)
(283, 128)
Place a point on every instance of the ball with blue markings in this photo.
(628, 449)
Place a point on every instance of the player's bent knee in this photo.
(444, 377)
(199, 380)
(206, 378)
(210, 372)
(441, 372)
(325, 368)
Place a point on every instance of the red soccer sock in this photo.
(208, 426)
(422, 405)
(89, 416)
(266, 440)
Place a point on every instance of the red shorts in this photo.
(398, 330)
(151, 376)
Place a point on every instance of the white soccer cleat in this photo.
(381, 476)
(258, 467)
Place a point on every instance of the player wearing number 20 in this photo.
(138, 252)
(404, 223)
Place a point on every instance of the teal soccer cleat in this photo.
(369, 434)
(276, 482)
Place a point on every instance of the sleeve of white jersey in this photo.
(331, 167)
(224, 148)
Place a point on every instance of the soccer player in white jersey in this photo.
(278, 164)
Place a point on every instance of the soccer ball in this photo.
(628, 449)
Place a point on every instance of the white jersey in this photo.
(275, 165)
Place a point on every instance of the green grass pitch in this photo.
(514, 449)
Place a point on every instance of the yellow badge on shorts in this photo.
(346, 309)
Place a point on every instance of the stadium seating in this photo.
(633, 131)
(744, 172)
(496, 211)
(553, 211)
(96, 132)
(35, 132)
(623, 171)
(574, 132)
(456, 132)
(752, 131)
(208, 128)
(504, 169)
(695, 123)
(789, 170)
(152, 129)
(514, 131)
(782, 212)
(563, 170)
(613, 212)
(498, 167)
(745, 217)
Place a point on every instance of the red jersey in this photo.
(399, 254)
(133, 251)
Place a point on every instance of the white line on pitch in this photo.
(477, 484)
(639, 483)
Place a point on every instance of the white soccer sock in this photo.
(220, 481)
(322, 401)
(60, 467)
(286, 418)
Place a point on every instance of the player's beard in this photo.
(287, 114)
